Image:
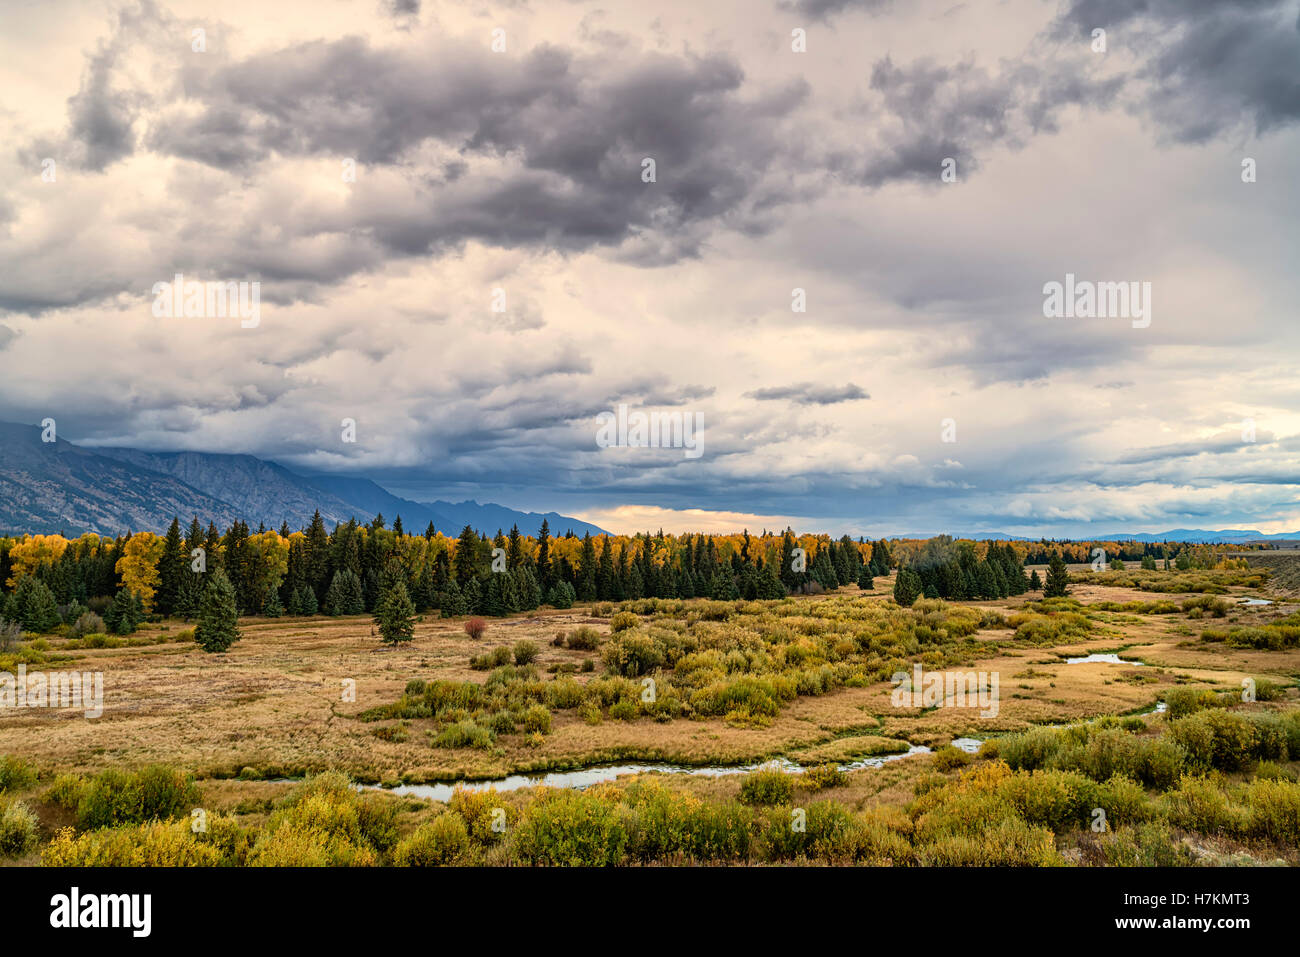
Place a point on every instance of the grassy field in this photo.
(806, 679)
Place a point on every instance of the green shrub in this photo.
(1008, 843)
(1060, 800)
(16, 774)
(17, 828)
(117, 797)
(155, 844)
(947, 758)
(1272, 811)
(571, 828)
(64, 791)
(442, 842)
(583, 638)
(537, 720)
(525, 652)
(1215, 739)
(624, 709)
(1199, 805)
(501, 655)
(821, 776)
(767, 786)
(1149, 844)
(623, 621)
(464, 734)
(632, 654)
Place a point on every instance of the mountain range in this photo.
(1220, 536)
(60, 487)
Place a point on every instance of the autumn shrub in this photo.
(442, 842)
(571, 828)
(153, 844)
(1149, 844)
(948, 758)
(1009, 842)
(632, 653)
(464, 734)
(583, 638)
(767, 786)
(1199, 804)
(475, 628)
(16, 774)
(18, 826)
(1272, 811)
(1215, 739)
(821, 776)
(492, 659)
(116, 797)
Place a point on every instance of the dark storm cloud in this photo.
(806, 393)
(1211, 66)
(571, 134)
(930, 112)
(825, 10)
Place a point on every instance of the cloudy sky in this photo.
(922, 390)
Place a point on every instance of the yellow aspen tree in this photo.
(138, 566)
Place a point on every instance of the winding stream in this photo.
(586, 777)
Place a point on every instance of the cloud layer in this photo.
(836, 257)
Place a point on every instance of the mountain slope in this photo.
(52, 487)
(265, 492)
(488, 518)
(373, 500)
(57, 486)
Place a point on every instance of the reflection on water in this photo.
(585, 777)
(1109, 658)
(1255, 601)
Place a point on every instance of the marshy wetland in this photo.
(685, 731)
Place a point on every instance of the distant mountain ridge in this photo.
(1225, 536)
(57, 486)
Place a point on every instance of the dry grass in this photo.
(275, 704)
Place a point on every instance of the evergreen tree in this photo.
(307, 601)
(395, 615)
(495, 602)
(216, 628)
(172, 567)
(273, 607)
(864, 578)
(474, 596)
(120, 616)
(907, 587)
(1035, 583)
(586, 585)
(345, 596)
(561, 595)
(35, 606)
(769, 584)
(1058, 578)
(823, 569)
(465, 561)
(723, 586)
(545, 573)
(515, 549)
(451, 601)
